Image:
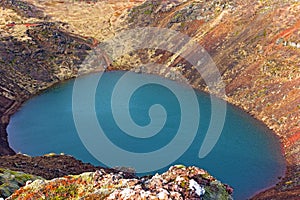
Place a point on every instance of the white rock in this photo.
(163, 194)
(195, 186)
(175, 195)
(144, 194)
(27, 183)
(293, 44)
(126, 193)
(179, 179)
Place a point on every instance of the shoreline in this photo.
(252, 53)
(199, 90)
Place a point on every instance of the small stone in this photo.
(292, 44)
(163, 194)
(196, 187)
(279, 41)
(28, 182)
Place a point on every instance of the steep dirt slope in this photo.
(256, 51)
(34, 54)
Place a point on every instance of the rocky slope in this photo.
(256, 51)
(179, 182)
(255, 46)
(48, 166)
(34, 54)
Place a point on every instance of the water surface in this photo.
(247, 156)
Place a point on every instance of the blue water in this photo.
(247, 155)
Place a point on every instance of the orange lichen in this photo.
(293, 139)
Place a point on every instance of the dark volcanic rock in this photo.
(50, 166)
(23, 8)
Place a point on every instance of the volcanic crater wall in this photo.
(255, 46)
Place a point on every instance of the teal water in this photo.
(247, 155)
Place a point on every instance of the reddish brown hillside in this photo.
(255, 45)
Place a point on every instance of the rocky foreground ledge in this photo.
(179, 182)
(63, 177)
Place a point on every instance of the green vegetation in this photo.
(147, 12)
(11, 181)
